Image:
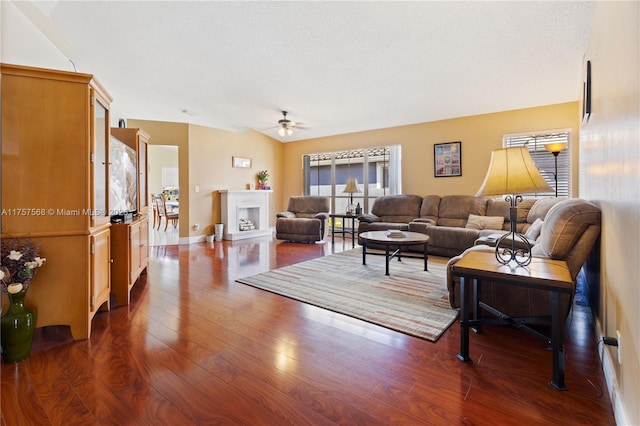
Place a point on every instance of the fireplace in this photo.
(245, 213)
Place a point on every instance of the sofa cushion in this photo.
(397, 208)
(455, 238)
(499, 207)
(564, 224)
(454, 210)
(429, 208)
(307, 206)
(382, 226)
(299, 229)
(540, 208)
(368, 218)
(484, 222)
(533, 232)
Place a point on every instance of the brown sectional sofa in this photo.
(443, 219)
(570, 229)
(565, 229)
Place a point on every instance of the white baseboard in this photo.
(202, 238)
(191, 240)
(609, 369)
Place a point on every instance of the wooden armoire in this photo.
(130, 241)
(55, 148)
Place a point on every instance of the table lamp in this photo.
(351, 188)
(556, 148)
(512, 172)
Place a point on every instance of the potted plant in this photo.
(263, 177)
(20, 260)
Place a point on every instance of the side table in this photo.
(345, 217)
(541, 273)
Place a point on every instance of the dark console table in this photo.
(345, 217)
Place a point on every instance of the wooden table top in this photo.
(542, 273)
(383, 237)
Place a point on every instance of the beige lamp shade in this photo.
(352, 186)
(512, 171)
(556, 147)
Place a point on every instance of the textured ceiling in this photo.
(338, 67)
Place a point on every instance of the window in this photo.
(169, 177)
(377, 171)
(544, 159)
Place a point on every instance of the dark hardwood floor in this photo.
(195, 347)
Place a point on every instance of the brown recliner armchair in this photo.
(305, 219)
(569, 231)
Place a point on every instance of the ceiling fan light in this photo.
(286, 126)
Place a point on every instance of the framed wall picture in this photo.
(244, 163)
(586, 94)
(447, 159)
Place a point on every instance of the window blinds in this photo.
(545, 160)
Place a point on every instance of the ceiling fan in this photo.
(286, 126)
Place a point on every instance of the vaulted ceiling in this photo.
(338, 67)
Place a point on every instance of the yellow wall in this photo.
(210, 167)
(480, 134)
(205, 160)
(610, 174)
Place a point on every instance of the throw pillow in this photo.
(484, 222)
(533, 232)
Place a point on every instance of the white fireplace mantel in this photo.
(253, 205)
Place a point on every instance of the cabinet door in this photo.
(143, 187)
(99, 160)
(100, 269)
(134, 250)
(144, 244)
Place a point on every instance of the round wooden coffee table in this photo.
(389, 242)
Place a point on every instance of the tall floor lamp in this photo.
(556, 148)
(512, 172)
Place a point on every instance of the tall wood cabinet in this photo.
(55, 154)
(130, 241)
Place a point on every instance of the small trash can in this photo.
(219, 231)
(210, 238)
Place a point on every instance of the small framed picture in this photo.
(447, 159)
(244, 163)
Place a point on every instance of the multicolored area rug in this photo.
(410, 300)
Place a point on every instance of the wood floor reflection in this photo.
(195, 347)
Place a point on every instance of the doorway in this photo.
(163, 178)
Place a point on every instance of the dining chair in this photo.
(155, 210)
(161, 208)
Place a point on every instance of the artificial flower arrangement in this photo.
(20, 260)
(263, 177)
